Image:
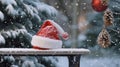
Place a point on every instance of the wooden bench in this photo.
(73, 54)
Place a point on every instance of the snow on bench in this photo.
(30, 51)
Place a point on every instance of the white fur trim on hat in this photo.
(44, 42)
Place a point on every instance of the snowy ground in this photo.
(93, 62)
(100, 62)
(63, 62)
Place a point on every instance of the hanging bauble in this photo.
(99, 5)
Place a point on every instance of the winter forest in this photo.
(94, 30)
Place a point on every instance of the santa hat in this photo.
(48, 36)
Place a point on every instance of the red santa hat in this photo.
(48, 36)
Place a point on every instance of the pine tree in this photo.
(19, 20)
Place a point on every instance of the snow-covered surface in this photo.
(43, 7)
(11, 10)
(28, 51)
(1, 16)
(28, 8)
(8, 2)
(11, 33)
(2, 40)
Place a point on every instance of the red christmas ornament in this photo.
(99, 5)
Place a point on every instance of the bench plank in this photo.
(51, 52)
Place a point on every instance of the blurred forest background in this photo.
(21, 19)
